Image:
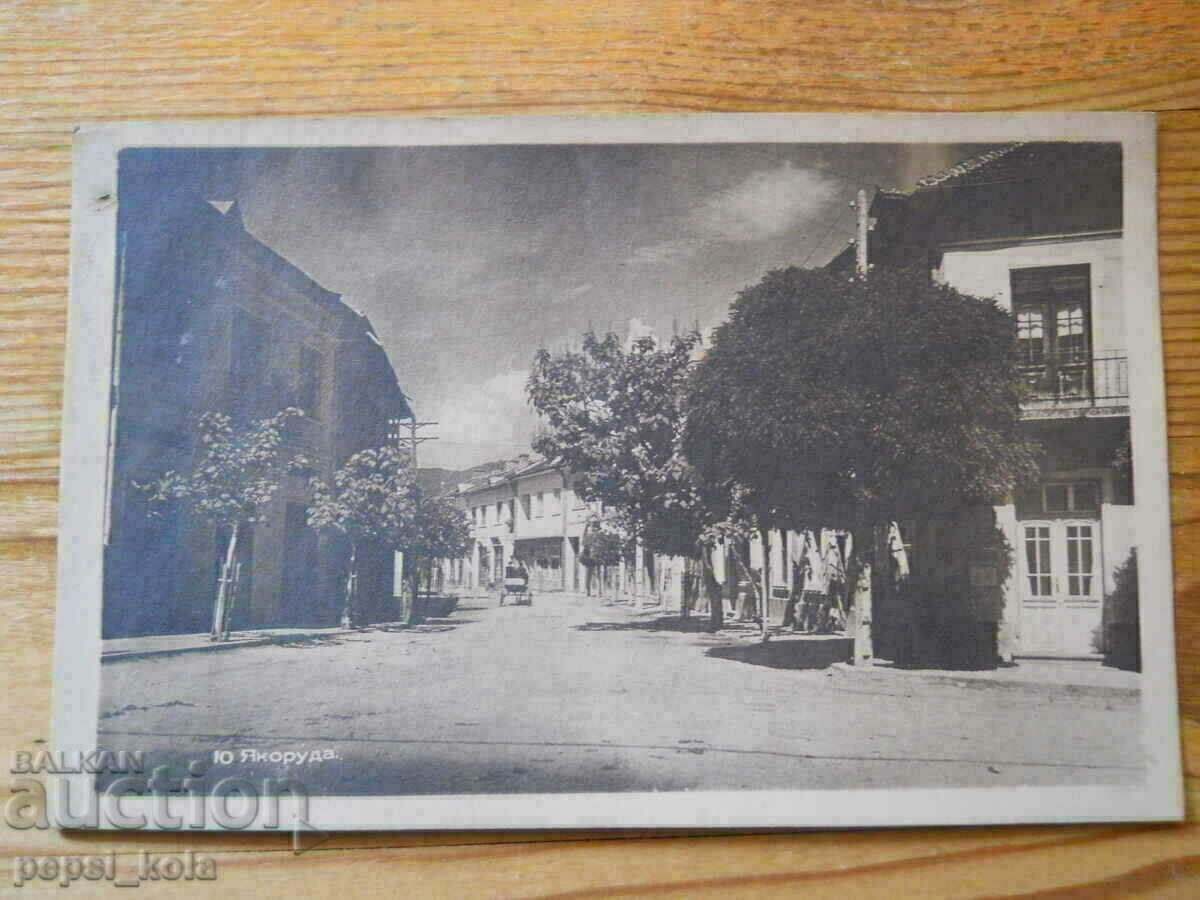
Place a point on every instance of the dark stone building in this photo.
(211, 319)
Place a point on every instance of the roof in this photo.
(1028, 161)
(962, 172)
(508, 471)
(272, 261)
(1010, 191)
(354, 326)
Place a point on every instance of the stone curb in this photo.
(113, 656)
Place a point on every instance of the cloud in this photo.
(638, 330)
(765, 204)
(668, 251)
(484, 421)
(571, 293)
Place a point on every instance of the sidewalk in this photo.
(1077, 676)
(117, 649)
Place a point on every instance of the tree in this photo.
(853, 402)
(239, 470)
(437, 529)
(373, 495)
(1120, 634)
(603, 546)
(615, 419)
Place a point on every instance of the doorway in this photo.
(1061, 589)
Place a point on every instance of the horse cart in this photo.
(516, 588)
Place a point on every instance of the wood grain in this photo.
(70, 61)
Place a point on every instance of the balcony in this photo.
(1077, 385)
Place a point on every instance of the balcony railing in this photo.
(1077, 382)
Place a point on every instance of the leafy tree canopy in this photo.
(237, 471)
(376, 494)
(372, 495)
(838, 401)
(615, 420)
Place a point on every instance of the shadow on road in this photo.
(662, 623)
(789, 653)
(427, 626)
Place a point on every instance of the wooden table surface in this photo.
(73, 60)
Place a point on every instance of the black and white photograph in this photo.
(631, 471)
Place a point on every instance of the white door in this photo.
(1060, 586)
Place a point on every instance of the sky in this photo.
(468, 259)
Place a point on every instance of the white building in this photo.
(528, 511)
(1037, 227)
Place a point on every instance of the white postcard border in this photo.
(86, 425)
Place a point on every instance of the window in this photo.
(1069, 332)
(1062, 498)
(1079, 560)
(556, 507)
(1031, 336)
(539, 504)
(1057, 497)
(308, 382)
(1037, 560)
(1052, 306)
(526, 508)
(248, 362)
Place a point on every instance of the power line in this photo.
(837, 220)
(413, 438)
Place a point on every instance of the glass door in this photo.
(1052, 305)
(1060, 586)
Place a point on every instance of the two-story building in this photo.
(211, 319)
(1036, 228)
(528, 510)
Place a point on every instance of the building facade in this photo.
(1036, 228)
(211, 319)
(528, 510)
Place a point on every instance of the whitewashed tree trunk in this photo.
(224, 582)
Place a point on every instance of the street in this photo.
(578, 694)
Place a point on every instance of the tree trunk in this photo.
(639, 575)
(350, 613)
(415, 581)
(755, 600)
(716, 600)
(764, 594)
(224, 582)
(859, 576)
(686, 590)
(234, 589)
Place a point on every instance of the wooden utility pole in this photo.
(864, 226)
(864, 645)
(413, 438)
(401, 564)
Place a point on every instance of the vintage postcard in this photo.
(551, 472)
